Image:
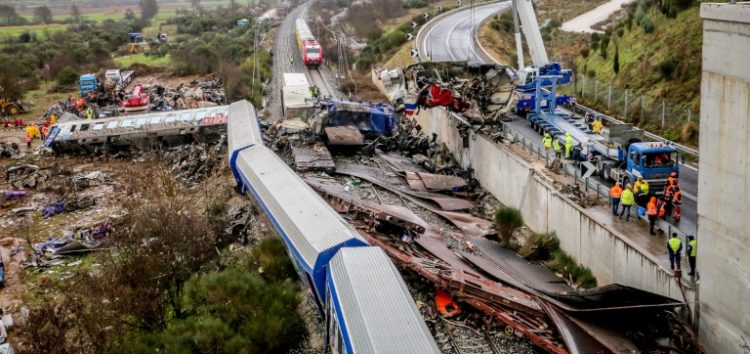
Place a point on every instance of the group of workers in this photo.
(17, 123)
(674, 249)
(656, 207)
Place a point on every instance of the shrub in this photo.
(507, 221)
(564, 264)
(648, 25)
(67, 76)
(539, 247)
(667, 68)
(394, 39)
(415, 4)
(585, 52)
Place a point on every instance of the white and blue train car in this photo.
(369, 309)
(357, 289)
(312, 231)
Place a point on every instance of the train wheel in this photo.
(13, 109)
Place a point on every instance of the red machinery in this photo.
(138, 100)
(312, 52)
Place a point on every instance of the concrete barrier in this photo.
(517, 183)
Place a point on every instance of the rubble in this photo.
(196, 94)
(193, 163)
(81, 240)
(481, 93)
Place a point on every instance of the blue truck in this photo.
(528, 79)
(619, 152)
(87, 83)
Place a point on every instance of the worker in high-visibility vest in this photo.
(547, 142)
(557, 148)
(651, 211)
(692, 250)
(89, 113)
(614, 194)
(674, 247)
(627, 199)
(596, 126)
(677, 202)
(568, 145)
(641, 189)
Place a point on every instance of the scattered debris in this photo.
(312, 158)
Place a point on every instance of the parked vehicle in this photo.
(11, 107)
(87, 83)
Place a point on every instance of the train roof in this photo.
(311, 228)
(243, 129)
(303, 31)
(375, 306)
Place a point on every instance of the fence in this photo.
(647, 112)
(589, 183)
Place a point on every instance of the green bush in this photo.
(648, 25)
(564, 264)
(507, 221)
(415, 4)
(667, 68)
(67, 76)
(393, 40)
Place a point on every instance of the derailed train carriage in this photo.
(355, 287)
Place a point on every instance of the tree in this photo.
(149, 9)
(195, 5)
(43, 14)
(75, 13)
(9, 12)
(16, 76)
(129, 14)
(616, 61)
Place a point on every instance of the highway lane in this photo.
(452, 38)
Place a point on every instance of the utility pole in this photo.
(517, 29)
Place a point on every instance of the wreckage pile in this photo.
(393, 197)
(481, 93)
(193, 163)
(196, 94)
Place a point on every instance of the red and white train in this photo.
(312, 53)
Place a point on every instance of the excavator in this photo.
(11, 107)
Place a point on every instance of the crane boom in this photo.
(531, 32)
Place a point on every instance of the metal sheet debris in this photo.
(312, 158)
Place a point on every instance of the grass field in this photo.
(128, 60)
(41, 31)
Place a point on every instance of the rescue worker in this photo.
(568, 145)
(692, 250)
(628, 199)
(557, 147)
(672, 180)
(676, 202)
(89, 113)
(674, 247)
(641, 189)
(614, 194)
(52, 119)
(596, 126)
(28, 142)
(6, 123)
(547, 142)
(44, 132)
(651, 211)
(668, 197)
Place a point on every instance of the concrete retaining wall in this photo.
(515, 182)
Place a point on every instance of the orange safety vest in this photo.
(662, 209)
(615, 192)
(651, 208)
(677, 199)
(28, 138)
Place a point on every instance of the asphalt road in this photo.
(453, 38)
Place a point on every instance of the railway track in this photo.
(464, 339)
(327, 89)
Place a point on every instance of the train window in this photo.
(113, 124)
(155, 120)
(141, 122)
(313, 50)
(200, 115)
(126, 123)
(170, 118)
(84, 127)
(98, 126)
(185, 117)
(72, 128)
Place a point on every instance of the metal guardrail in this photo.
(590, 184)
